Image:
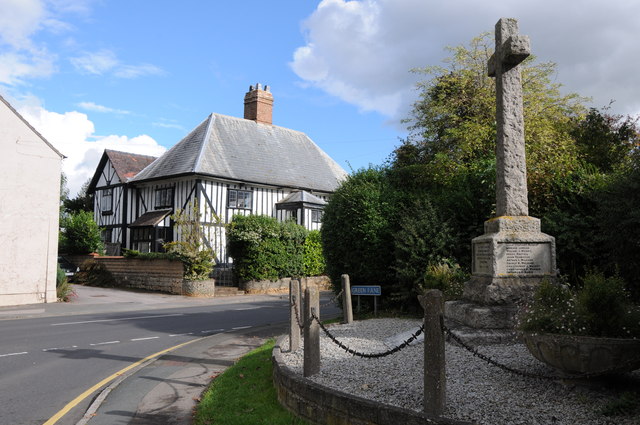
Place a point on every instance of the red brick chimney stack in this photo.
(258, 104)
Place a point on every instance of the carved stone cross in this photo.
(511, 168)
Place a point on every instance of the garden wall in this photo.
(152, 275)
(282, 285)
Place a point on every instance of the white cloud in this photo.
(105, 61)
(361, 51)
(73, 134)
(90, 106)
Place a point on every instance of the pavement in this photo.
(164, 389)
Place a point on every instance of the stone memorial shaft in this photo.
(511, 169)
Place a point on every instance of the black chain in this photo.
(526, 374)
(295, 309)
(332, 300)
(493, 362)
(369, 355)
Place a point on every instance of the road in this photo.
(45, 362)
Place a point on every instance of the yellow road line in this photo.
(73, 403)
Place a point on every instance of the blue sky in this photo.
(139, 75)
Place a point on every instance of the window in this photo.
(164, 197)
(106, 235)
(141, 238)
(106, 201)
(239, 199)
(316, 216)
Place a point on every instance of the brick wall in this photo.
(153, 275)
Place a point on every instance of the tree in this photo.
(82, 202)
(79, 234)
(191, 249)
(452, 125)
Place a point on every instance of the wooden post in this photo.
(311, 331)
(347, 310)
(435, 388)
(295, 314)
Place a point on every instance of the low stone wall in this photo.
(199, 288)
(323, 406)
(153, 275)
(282, 285)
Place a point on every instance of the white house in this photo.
(229, 166)
(30, 169)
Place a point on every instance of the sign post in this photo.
(367, 290)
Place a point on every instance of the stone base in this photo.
(479, 316)
(505, 291)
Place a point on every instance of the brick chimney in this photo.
(258, 104)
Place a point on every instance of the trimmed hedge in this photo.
(264, 249)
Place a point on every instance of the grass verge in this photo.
(244, 394)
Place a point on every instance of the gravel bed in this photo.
(476, 391)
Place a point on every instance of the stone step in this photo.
(228, 291)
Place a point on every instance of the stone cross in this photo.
(511, 168)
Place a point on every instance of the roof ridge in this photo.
(203, 143)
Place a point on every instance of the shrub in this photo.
(64, 290)
(132, 253)
(422, 239)
(197, 258)
(93, 273)
(79, 234)
(264, 249)
(446, 276)
(601, 308)
(356, 238)
(314, 264)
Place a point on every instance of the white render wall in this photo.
(29, 209)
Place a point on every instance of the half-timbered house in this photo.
(227, 166)
(30, 170)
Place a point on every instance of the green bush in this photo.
(314, 264)
(132, 253)
(601, 308)
(197, 258)
(264, 249)
(422, 239)
(64, 290)
(446, 276)
(356, 238)
(79, 234)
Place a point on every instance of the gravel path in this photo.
(476, 391)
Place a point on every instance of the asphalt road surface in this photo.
(50, 356)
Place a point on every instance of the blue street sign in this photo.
(366, 290)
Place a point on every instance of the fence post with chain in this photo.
(347, 310)
(434, 361)
(311, 331)
(294, 303)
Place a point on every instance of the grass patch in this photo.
(244, 394)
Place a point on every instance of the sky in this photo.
(137, 76)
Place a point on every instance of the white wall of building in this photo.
(29, 211)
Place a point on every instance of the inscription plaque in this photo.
(524, 259)
(482, 258)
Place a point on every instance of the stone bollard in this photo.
(435, 387)
(347, 310)
(311, 331)
(295, 313)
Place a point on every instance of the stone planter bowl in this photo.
(584, 354)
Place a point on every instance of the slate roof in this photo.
(302, 196)
(244, 150)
